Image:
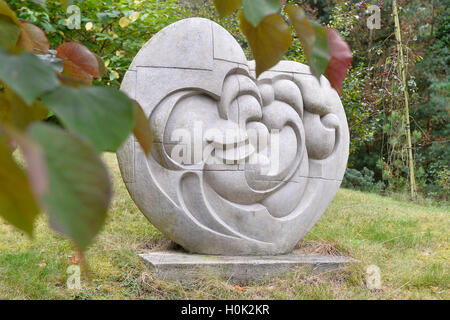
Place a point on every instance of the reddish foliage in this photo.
(341, 58)
(79, 61)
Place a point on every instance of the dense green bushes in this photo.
(373, 96)
(114, 29)
(361, 180)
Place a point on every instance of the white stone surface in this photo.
(183, 267)
(242, 197)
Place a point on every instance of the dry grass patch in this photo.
(409, 242)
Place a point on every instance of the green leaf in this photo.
(101, 66)
(17, 203)
(124, 22)
(9, 33)
(256, 10)
(79, 188)
(302, 26)
(105, 116)
(41, 2)
(227, 7)
(313, 37)
(6, 11)
(142, 130)
(16, 113)
(9, 27)
(35, 163)
(27, 75)
(320, 56)
(268, 41)
(66, 3)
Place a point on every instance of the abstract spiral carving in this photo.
(239, 166)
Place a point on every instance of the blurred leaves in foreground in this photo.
(62, 172)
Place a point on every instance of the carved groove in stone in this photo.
(233, 197)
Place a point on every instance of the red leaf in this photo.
(36, 166)
(75, 75)
(79, 61)
(74, 260)
(341, 58)
(32, 37)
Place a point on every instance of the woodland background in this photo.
(372, 91)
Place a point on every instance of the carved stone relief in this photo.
(239, 166)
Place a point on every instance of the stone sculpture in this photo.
(239, 166)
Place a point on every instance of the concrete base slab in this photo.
(181, 266)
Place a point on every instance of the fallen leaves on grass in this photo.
(237, 287)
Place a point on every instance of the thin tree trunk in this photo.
(402, 71)
(432, 19)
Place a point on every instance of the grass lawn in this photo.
(410, 244)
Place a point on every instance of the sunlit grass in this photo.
(410, 243)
